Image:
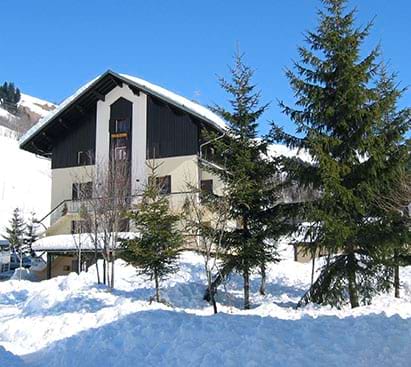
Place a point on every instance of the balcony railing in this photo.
(73, 207)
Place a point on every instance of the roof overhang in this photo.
(39, 139)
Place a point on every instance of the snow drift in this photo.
(72, 321)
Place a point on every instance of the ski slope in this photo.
(25, 180)
(72, 321)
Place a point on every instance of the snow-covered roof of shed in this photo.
(179, 101)
(70, 242)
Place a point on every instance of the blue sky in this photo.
(51, 47)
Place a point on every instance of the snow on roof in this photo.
(47, 118)
(72, 242)
(178, 100)
(160, 92)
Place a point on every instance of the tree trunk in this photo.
(396, 275)
(312, 266)
(352, 284)
(263, 279)
(157, 286)
(104, 272)
(227, 269)
(112, 270)
(211, 292)
(97, 269)
(246, 276)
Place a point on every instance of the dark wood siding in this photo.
(80, 136)
(170, 132)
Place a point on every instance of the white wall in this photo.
(62, 181)
(139, 128)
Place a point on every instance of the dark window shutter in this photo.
(75, 191)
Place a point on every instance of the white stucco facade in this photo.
(139, 128)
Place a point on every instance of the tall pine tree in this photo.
(341, 109)
(249, 177)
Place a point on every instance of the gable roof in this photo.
(102, 85)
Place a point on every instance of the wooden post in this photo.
(49, 259)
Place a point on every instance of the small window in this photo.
(121, 126)
(120, 153)
(123, 225)
(82, 191)
(163, 184)
(207, 186)
(66, 267)
(84, 158)
(78, 226)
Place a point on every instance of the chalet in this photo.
(116, 117)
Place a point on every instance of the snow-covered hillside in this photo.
(25, 180)
(72, 321)
(35, 106)
(29, 111)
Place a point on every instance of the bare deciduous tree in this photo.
(206, 219)
(104, 204)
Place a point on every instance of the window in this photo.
(163, 184)
(121, 126)
(207, 186)
(82, 191)
(66, 267)
(85, 158)
(120, 153)
(123, 225)
(78, 226)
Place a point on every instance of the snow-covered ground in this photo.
(72, 321)
(25, 180)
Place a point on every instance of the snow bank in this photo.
(72, 321)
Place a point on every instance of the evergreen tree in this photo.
(249, 177)
(341, 109)
(15, 232)
(9, 95)
(398, 220)
(30, 234)
(156, 247)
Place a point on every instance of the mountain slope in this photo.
(29, 111)
(24, 179)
